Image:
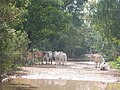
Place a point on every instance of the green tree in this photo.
(45, 21)
(103, 17)
(55, 24)
(76, 36)
(13, 40)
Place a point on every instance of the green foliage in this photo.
(118, 59)
(106, 18)
(13, 44)
(13, 40)
(112, 64)
(118, 63)
(103, 18)
(115, 64)
(46, 20)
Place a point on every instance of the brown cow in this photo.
(98, 59)
(32, 56)
(29, 55)
(39, 55)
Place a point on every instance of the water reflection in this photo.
(33, 84)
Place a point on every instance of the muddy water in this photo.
(35, 84)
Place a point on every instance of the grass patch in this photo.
(112, 64)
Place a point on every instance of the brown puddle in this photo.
(39, 84)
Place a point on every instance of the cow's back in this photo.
(96, 57)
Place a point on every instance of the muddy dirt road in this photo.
(85, 71)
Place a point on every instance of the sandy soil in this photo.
(85, 71)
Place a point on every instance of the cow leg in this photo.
(46, 61)
(96, 65)
(99, 65)
(63, 62)
(51, 61)
(42, 61)
(57, 61)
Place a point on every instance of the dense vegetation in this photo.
(13, 40)
(72, 26)
(104, 20)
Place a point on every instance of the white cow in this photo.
(104, 66)
(98, 59)
(63, 58)
(57, 57)
(48, 57)
(60, 58)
